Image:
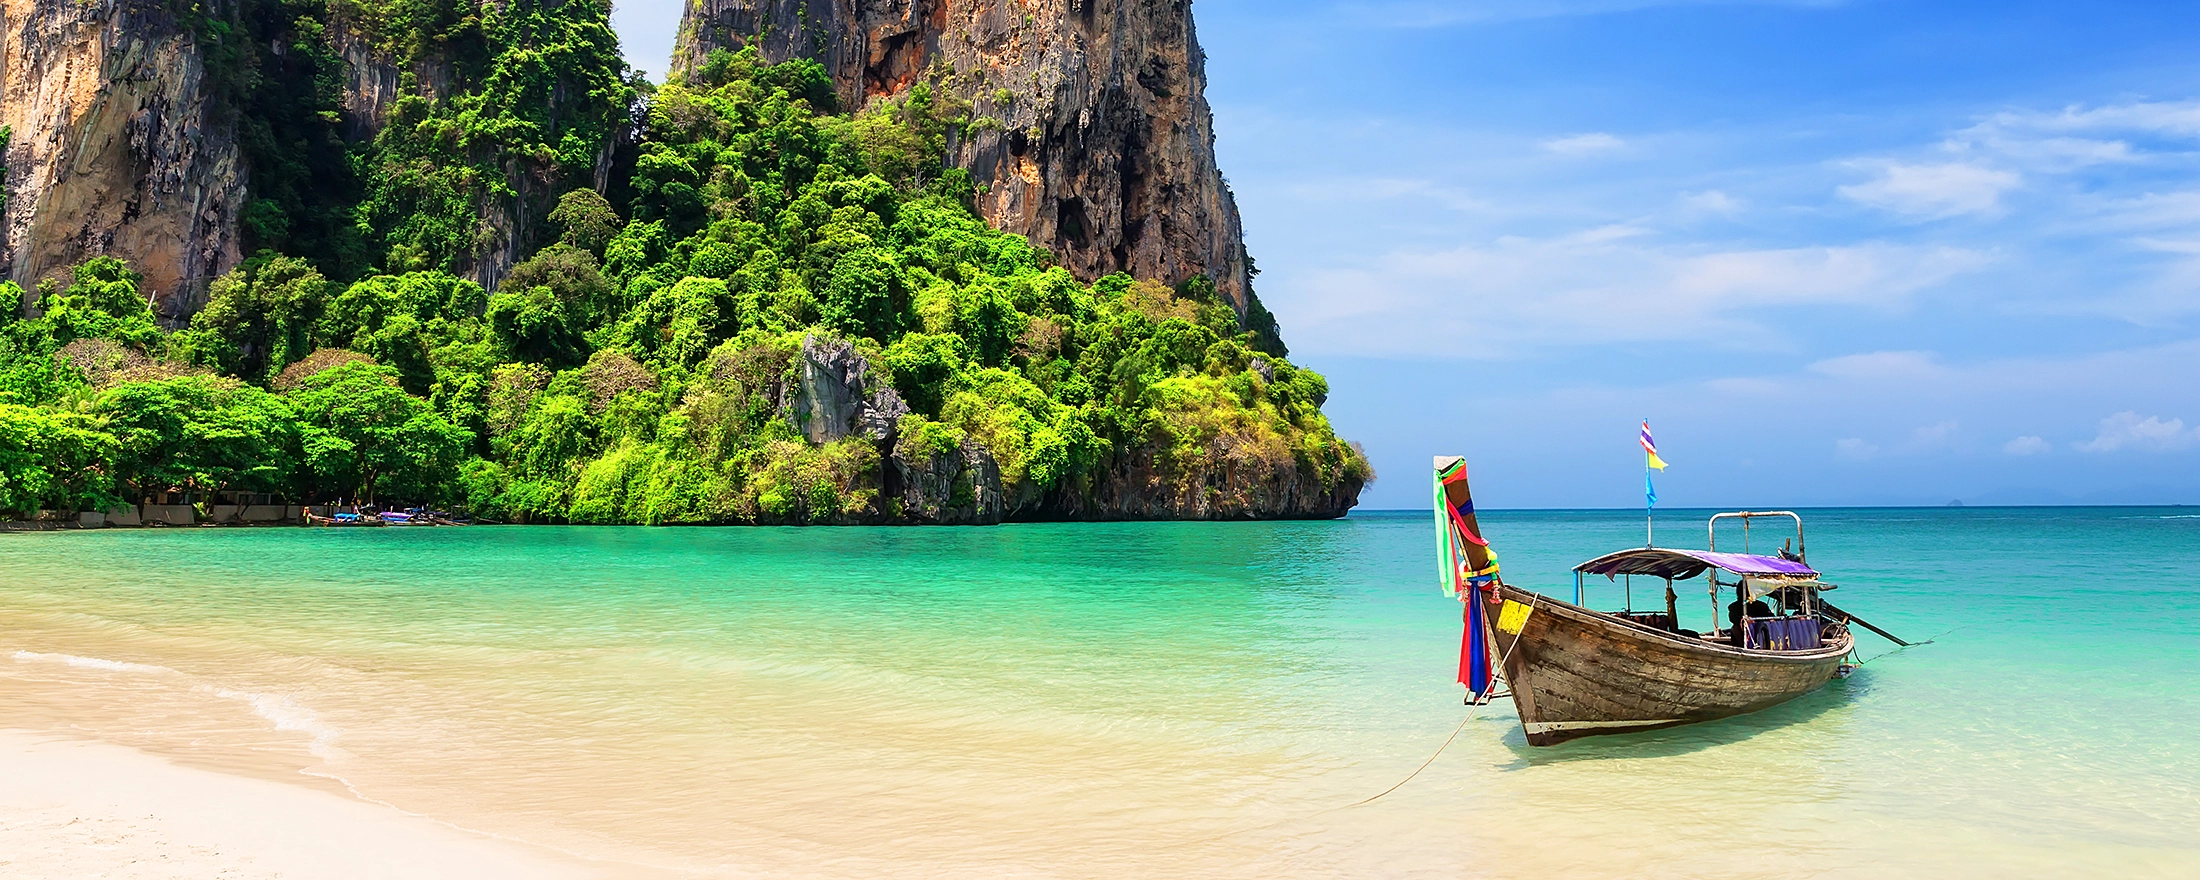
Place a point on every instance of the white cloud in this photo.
(2026, 445)
(1931, 437)
(1844, 440)
(1608, 233)
(2162, 250)
(1854, 449)
(1934, 192)
(2057, 142)
(2173, 119)
(1748, 386)
(1376, 190)
(1880, 365)
(1589, 144)
(2045, 154)
(1998, 384)
(2127, 430)
(2019, 140)
(1884, 395)
(1601, 285)
(1712, 202)
(2111, 185)
(2176, 209)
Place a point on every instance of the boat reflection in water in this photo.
(1575, 672)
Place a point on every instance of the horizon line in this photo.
(1432, 508)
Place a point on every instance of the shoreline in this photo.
(71, 525)
(73, 807)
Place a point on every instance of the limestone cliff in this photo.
(373, 80)
(1092, 135)
(125, 144)
(116, 148)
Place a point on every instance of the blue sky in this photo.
(1837, 253)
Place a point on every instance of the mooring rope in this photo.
(1533, 603)
(1861, 661)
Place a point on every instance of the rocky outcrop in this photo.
(963, 487)
(510, 225)
(116, 148)
(959, 486)
(836, 396)
(1225, 486)
(1092, 135)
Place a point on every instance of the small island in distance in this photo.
(507, 276)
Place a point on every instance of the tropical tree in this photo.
(102, 302)
(258, 318)
(401, 320)
(53, 460)
(360, 432)
(200, 433)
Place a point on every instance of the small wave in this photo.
(288, 715)
(283, 711)
(2184, 516)
(90, 662)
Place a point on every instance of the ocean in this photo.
(1130, 700)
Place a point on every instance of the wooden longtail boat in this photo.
(347, 520)
(1575, 672)
(414, 517)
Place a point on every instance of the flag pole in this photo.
(1649, 490)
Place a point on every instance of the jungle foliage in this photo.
(636, 366)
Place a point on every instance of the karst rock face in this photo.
(119, 147)
(838, 395)
(115, 148)
(1093, 134)
(511, 223)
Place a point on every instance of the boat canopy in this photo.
(1681, 565)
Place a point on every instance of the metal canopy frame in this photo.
(1681, 565)
(1712, 529)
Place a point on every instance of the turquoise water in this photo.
(1128, 699)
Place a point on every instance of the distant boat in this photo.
(344, 519)
(414, 517)
(1574, 672)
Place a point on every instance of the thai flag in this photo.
(1650, 447)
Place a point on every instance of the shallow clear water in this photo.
(1128, 699)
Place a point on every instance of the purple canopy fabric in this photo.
(1684, 564)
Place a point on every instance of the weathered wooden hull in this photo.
(1575, 673)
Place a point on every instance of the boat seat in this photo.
(1784, 634)
(1653, 619)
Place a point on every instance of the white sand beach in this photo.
(76, 809)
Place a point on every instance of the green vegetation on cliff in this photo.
(780, 313)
